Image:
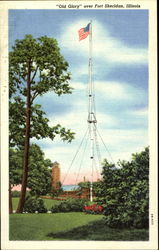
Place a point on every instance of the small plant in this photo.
(94, 209)
(15, 193)
(69, 205)
(34, 204)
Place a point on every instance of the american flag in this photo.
(84, 32)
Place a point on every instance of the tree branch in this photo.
(34, 96)
(34, 74)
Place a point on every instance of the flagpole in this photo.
(90, 115)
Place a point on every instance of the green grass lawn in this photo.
(69, 226)
(41, 226)
(15, 203)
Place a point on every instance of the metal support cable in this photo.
(82, 158)
(75, 156)
(97, 147)
(97, 151)
(98, 164)
(96, 169)
(105, 145)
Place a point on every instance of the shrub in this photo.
(33, 204)
(15, 193)
(69, 205)
(125, 191)
(94, 209)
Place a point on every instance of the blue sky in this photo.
(120, 74)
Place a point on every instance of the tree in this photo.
(15, 172)
(39, 174)
(55, 192)
(124, 191)
(87, 184)
(36, 67)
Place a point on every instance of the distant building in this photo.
(56, 175)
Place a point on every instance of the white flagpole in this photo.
(90, 115)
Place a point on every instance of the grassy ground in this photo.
(97, 230)
(15, 203)
(69, 226)
(42, 226)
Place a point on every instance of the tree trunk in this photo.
(26, 145)
(10, 200)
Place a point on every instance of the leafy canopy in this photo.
(48, 72)
(48, 67)
(39, 175)
(124, 191)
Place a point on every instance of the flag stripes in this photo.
(84, 32)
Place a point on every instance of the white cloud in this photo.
(128, 137)
(78, 86)
(108, 95)
(104, 90)
(112, 90)
(119, 93)
(105, 46)
(140, 112)
(80, 70)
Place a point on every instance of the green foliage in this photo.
(39, 175)
(70, 205)
(39, 124)
(15, 165)
(36, 67)
(34, 204)
(40, 61)
(16, 121)
(124, 192)
(15, 193)
(47, 202)
(56, 192)
(86, 185)
(47, 64)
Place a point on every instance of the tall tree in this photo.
(36, 66)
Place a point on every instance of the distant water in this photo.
(69, 187)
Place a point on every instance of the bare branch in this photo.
(34, 96)
(34, 74)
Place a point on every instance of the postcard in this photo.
(79, 124)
